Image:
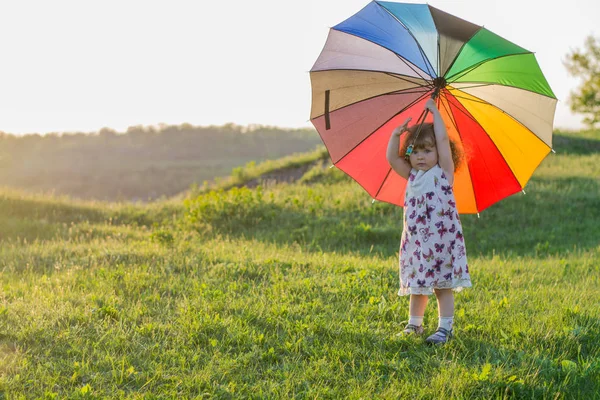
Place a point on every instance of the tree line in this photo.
(143, 163)
(585, 65)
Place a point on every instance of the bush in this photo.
(231, 209)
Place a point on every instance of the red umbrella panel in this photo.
(381, 65)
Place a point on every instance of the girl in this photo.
(432, 248)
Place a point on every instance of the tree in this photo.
(586, 65)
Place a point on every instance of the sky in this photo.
(82, 65)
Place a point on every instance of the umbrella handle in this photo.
(420, 121)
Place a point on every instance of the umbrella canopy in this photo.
(381, 65)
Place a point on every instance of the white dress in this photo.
(432, 249)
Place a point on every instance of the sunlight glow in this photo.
(81, 66)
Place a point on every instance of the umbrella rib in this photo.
(426, 85)
(394, 74)
(491, 105)
(406, 91)
(383, 182)
(439, 53)
(400, 77)
(423, 115)
(475, 85)
(476, 101)
(370, 83)
(482, 101)
(449, 111)
(421, 51)
(479, 64)
(462, 47)
(375, 130)
(468, 167)
(409, 65)
(379, 28)
(492, 141)
(465, 113)
(501, 84)
(342, 127)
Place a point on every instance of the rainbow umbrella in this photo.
(380, 66)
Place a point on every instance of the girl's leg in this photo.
(418, 302)
(416, 309)
(445, 300)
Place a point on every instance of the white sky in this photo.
(81, 65)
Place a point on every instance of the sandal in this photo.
(411, 329)
(440, 336)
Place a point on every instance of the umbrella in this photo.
(381, 65)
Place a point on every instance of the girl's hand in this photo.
(430, 105)
(402, 128)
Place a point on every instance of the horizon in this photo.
(79, 68)
(162, 126)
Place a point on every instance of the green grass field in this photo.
(289, 291)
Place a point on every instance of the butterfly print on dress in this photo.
(430, 256)
(429, 210)
(417, 253)
(425, 234)
(442, 229)
(447, 189)
(449, 213)
(461, 252)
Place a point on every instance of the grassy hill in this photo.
(143, 163)
(289, 290)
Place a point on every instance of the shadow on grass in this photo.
(562, 361)
(47, 219)
(569, 144)
(31, 219)
(556, 216)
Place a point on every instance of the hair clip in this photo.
(409, 151)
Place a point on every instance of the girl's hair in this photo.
(427, 138)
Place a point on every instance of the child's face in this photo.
(423, 158)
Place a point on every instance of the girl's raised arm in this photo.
(442, 141)
(397, 162)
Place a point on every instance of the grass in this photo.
(289, 291)
(251, 171)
